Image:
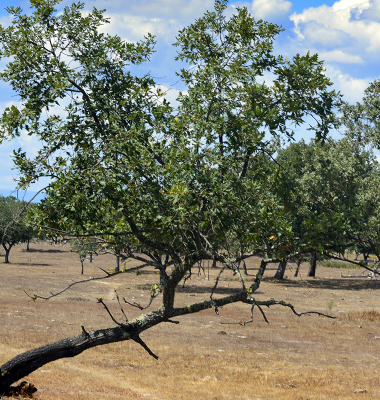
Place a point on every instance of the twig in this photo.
(262, 313)
(137, 305)
(282, 303)
(270, 303)
(100, 300)
(214, 288)
(97, 278)
(138, 340)
(121, 308)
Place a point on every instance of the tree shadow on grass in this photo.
(207, 290)
(31, 264)
(43, 251)
(196, 289)
(329, 284)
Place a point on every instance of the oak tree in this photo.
(166, 186)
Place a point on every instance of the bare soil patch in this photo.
(206, 356)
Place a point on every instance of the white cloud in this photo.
(318, 33)
(267, 9)
(341, 57)
(267, 77)
(133, 28)
(6, 21)
(172, 9)
(352, 88)
(343, 24)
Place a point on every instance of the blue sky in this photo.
(345, 33)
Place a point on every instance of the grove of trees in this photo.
(171, 186)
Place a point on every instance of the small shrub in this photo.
(331, 304)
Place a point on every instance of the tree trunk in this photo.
(365, 257)
(82, 261)
(117, 268)
(245, 268)
(281, 270)
(27, 245)
(313, 264)
(7, 251)
(90, 257)
(298, 268)
(213, 263)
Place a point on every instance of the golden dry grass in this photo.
(206, 356)
(368, 315)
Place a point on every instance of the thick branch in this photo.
(88, 100)
(360, 264)
(29, 361)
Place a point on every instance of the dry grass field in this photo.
(206, 356)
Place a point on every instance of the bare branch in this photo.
(172, 322)
(262, 313)
(100, 300)
(272, 302)
(360, 264)
(121, 308)
(131, 270)
(138, 340)
(152, 297)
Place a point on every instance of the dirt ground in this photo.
(206, 356)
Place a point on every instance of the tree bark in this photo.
(365, 257)
(281, 270)
(313, 264)
(7, 251)
(117, 268)
(27, 245)
(31, 360)
(245, 268)
(298, 268)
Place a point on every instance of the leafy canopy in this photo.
(127, 166)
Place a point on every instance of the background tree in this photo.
(326, 187)
(178, 185)
(362, 120)
(12, 229)
(84, 247)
